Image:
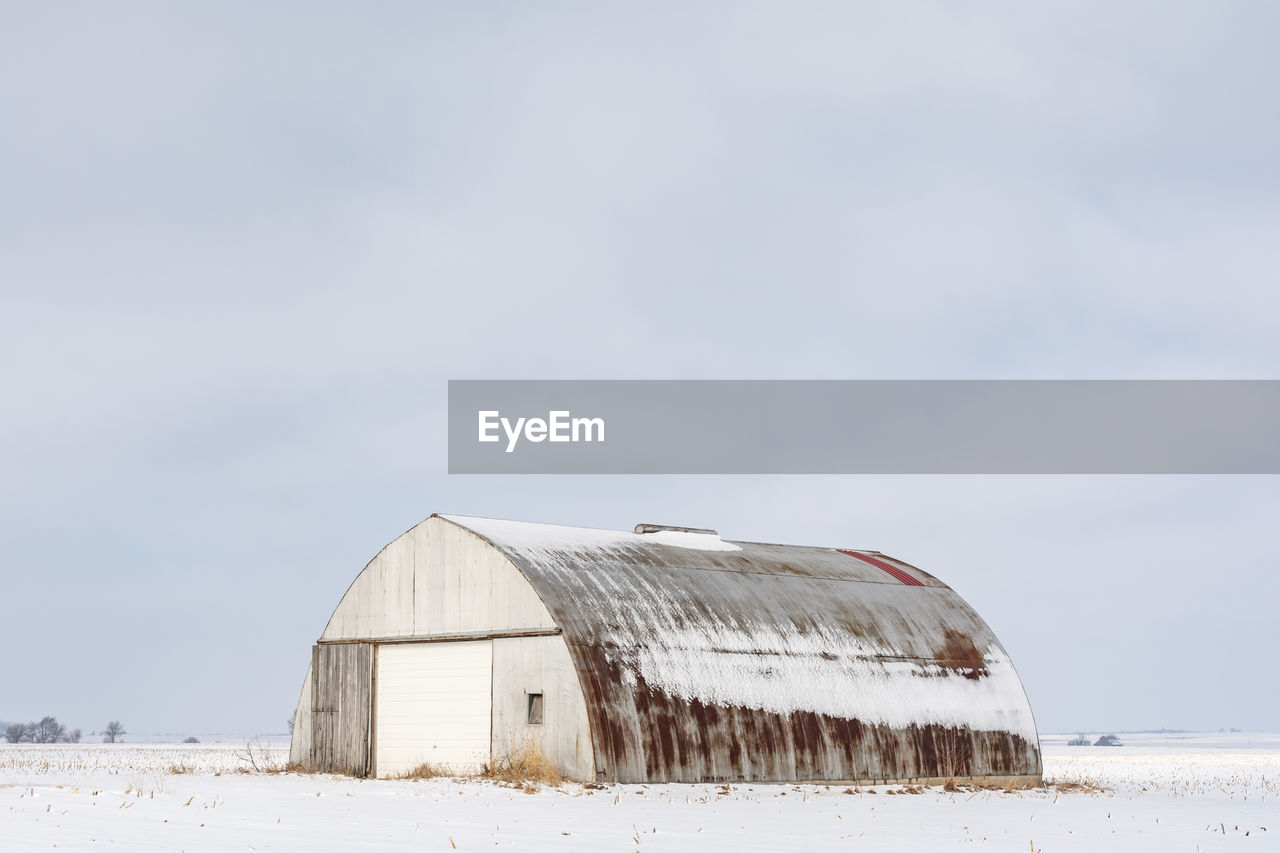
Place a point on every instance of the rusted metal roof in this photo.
(702, 659)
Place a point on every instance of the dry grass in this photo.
(948, 752)
(270, 768)
(526, 767)
(1078, 786)
(259, 757)
(959, 786)
(287, 767)
(427, 770)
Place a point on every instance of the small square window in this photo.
(535, 709)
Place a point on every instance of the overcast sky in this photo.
(243, 247)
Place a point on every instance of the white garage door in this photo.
(434, 705)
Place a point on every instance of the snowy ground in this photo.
(1205, 792)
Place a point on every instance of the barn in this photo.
(663, 654)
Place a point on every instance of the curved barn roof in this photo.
(701, 658)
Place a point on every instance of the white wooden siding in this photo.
(433, 705)
(381, 598)
(437, 579)
(524, 665)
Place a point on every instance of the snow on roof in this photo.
(775, 628)
(532, 537)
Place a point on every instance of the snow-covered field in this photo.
(1203, 792)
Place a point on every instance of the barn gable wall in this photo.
(437, 579)
(439, 582)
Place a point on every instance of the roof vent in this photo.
(661, 528)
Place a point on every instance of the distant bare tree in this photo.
(48, 730)
(17, 732)
(114, 732)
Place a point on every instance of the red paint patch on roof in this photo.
(885, 567)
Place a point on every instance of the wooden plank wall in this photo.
(342, 684)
